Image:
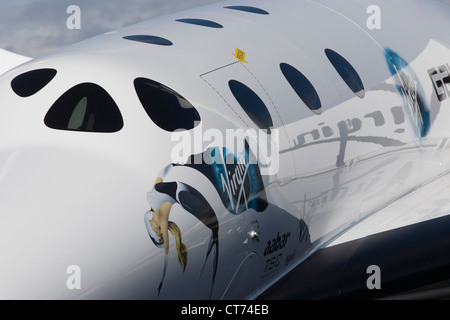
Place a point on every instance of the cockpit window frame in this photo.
(167, 109)
(31, 82)
(88, 105)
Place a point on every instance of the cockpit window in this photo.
(248, 9)
(202, 22)
(167, 109)
(252, 105)
(86, 107)
(303, 87)
(149, 40)
(347, 72)
(31, 82)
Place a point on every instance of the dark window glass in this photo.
(32, 82)
(247, 9)
(252, 105)
(302, 87)
(201, 22)
(86, 107)
(347, 72)
(167, 109)
(149, 39)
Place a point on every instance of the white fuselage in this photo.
(72, 198)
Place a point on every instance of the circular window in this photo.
(149, 40)
(347, 72)
(248, 9)
(202, 22)
(302, 87)
(252, 105)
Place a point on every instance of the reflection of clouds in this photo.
(35, 28)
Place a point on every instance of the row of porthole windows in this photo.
(299, 83)
(257, 110)
(88, 107)
(199, 22)
(306, 91)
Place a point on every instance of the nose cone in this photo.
(56, 214)
(72, 202)
(74, 212)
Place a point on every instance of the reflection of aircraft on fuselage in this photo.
(359, 118)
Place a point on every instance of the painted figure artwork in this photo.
(236, 179)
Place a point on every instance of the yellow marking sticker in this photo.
(240, 55)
